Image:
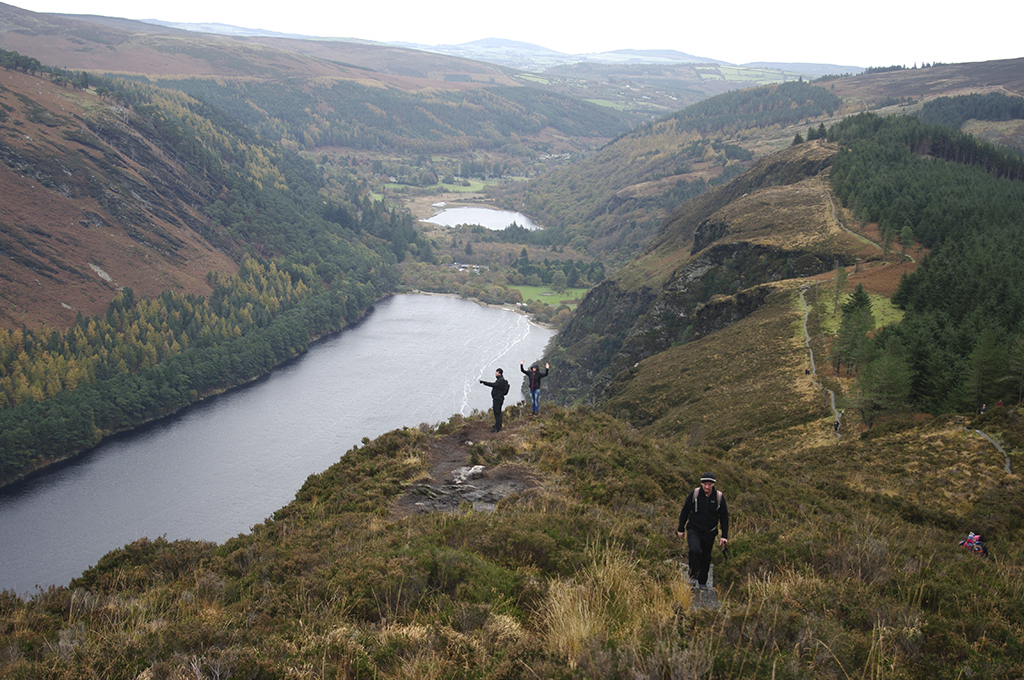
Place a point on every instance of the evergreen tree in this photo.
(851, 347)
(840, 284)
(988, 363)
(859, 299)
(906, 240)
(883, 386)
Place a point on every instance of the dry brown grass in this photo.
(731, 385)
(612, 598)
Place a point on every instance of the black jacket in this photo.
(706, 514)
(499, 388)
(534, 376)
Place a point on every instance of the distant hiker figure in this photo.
(703, 511)
(835, 426)
(974, 544)
(534, 375)
(499, 388)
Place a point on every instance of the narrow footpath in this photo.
(836, 414)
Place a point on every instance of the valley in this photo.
(175, 228)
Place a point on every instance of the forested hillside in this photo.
(473, 122)
(850, 478)
(326, 95)
(961, 343)
(938, 195)
(307, 266)
(613, 201)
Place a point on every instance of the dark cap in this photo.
(707, 477)
(499, 371)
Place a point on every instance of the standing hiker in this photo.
(499, 388)
(534, 375)
(702, 512)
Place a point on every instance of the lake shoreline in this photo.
(538, 324)
(53, 463)
(215, 468)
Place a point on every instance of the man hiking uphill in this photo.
(702, 512)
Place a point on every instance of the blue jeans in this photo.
(535, 398)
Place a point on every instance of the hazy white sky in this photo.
(866, 33)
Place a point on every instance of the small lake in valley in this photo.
(488, 218)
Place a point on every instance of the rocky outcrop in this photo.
(708, 294)
(584, 349)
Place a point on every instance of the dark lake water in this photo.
(222, 466)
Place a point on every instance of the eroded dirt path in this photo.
(456, 478)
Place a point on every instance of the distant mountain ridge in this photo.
(522, 55)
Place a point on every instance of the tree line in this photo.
(307, 267)
(953, 112)
(15, 61)
(959, 344)
(144, 359)
(352, 115)
(782, 104)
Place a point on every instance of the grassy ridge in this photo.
(735, 383)
(844, 563)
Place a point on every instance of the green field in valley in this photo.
(570, 296)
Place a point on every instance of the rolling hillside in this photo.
(613, 201)
(322, 94)
(695, 355)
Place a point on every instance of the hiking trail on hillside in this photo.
(836, 414)
(454, 478)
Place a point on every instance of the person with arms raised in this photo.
(534, 376)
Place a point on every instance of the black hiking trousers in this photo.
(496, 406)
(701, 545)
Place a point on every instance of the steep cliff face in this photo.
(707, 269)
(598, 329)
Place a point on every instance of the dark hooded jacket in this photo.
(499, 387)
(534, 376)
(705, 513)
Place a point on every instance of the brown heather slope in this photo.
(122, 46)
(868, 91)
(79, 220)
(781, 202)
